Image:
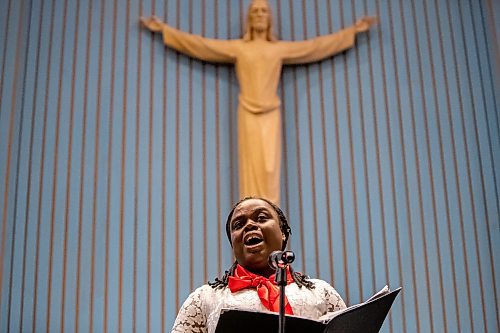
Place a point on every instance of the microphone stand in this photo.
(281, 281)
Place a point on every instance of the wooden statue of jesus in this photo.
(258, 58)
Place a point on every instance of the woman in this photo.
(255, 227)
(258, 58)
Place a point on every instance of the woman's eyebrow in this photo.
(257, 210)
(236, 218)
(262, 210)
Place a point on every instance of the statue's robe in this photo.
(258, 69)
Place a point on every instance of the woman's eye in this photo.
(237, 224)
(262, 217)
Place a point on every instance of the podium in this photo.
(366, 317)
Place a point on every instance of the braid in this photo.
(222, 282)
(301, 280)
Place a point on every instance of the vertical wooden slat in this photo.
(493, 32)
(177, 131)
(441, 150)
(217, 148)
(429, 170)
(136, 177)
(297, 142)
(480, 158)
(8, 161)
(495, 107)
(415, 152)
(242, 19)
(190, 144)
(150, 177)
(391, 164)
(365, 161)
(457, 182)
(467, 159)
(109, 169)
(4, 55)
(232, 192)
(55, 166)
(204, 149)
(491, 157)
(286, 204)
(122, 168)
(378, 154)
(164, 187)
(352, 162)
(284, 124)
(409, 224)
(475, 110)
(311, 151)
(30, 163)
(338, 159)
(378, 159)
(391, 152)
(18, 162)
(325, 155)
(82, 165)
(42, 167)
(96, 166)
(69, 169)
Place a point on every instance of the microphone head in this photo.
(281, 258)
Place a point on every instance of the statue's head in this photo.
(259, 18)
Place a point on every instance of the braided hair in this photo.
(300, 279)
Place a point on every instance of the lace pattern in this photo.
(200, 312)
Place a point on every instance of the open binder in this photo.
(366, 317)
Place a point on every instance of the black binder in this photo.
(366, 317)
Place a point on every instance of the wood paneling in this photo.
(119, 160)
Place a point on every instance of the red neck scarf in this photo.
(267, 290)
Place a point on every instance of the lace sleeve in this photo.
(333, 300)
(191, 316)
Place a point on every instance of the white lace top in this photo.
(200, 312)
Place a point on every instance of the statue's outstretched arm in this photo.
(207, 49)
(325, 46)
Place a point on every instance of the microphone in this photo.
(280, 259)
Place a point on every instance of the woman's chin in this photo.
(256, 262)
(257, 248)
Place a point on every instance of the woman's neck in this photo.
(265, 272)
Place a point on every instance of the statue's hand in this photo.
(365, 23)
(152, 23)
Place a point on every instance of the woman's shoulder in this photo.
(207, 290)
(323, 287)
(331, 296)
(319, 282)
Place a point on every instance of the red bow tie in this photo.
(266, 289)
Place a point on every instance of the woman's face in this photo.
(259, 15)
(255, 233)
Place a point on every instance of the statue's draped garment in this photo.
(258, 69)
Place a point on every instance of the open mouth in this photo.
(253, 240)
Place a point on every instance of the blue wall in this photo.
(118, 160)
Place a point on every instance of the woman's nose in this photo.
(251, 225)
